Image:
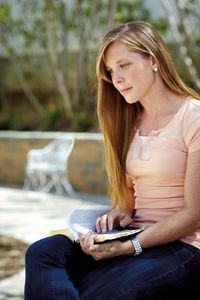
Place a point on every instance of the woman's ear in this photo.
(153, 63)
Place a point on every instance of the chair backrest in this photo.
(59, 144)
(59, 149)
(56, 153)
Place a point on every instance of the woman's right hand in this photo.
(113, 219)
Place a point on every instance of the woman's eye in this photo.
(124, 66)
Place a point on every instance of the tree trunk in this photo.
(86, 29)
(54, 38)
(181, 43)
(26, 89)
(112, 7)
(186, 31)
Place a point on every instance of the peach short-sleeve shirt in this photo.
(157, 167)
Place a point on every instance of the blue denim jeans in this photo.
(57, 269)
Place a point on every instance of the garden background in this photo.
(48, 50)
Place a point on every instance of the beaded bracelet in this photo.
(137, 246)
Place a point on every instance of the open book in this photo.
(83, 219)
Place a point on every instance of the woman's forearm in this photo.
(177, 226)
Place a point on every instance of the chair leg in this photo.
(57, 184)
(48, 187)
(67, 186)
(35, 181)
(39, 181)
(42, 178)
(27, 185)
(30, 182)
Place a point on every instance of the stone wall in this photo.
(86, 167)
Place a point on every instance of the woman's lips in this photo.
(126, 90)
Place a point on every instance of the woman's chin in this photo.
(130, 100)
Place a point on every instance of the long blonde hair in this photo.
(117, 118)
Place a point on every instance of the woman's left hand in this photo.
(103, 250)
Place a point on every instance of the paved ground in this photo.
(30, 216)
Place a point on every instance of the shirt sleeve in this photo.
(192, 129)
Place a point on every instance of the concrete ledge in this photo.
(86, 167)
(48, 135)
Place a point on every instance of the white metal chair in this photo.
(46, 168)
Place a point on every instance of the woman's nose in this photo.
(117, 78)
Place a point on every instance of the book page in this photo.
(86, 216)
(83, 219)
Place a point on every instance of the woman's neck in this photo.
(159, 110)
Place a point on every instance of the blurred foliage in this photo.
(48, 50)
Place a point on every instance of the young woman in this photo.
(151, 125)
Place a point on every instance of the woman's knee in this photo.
(46, 248)
(36, 250)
